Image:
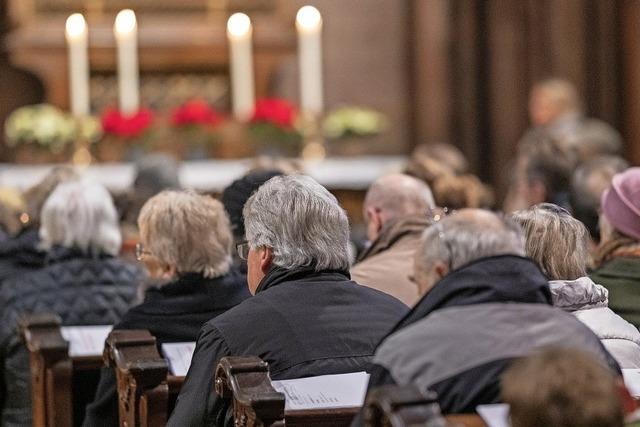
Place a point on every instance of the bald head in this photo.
(392, 197)
(464, 237)
(399, 195)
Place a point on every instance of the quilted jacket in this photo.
(20, 254)
(81, 290)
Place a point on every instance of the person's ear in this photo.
(266, 259)
(629, 404)
(441, 269)
(374, 222)
(168, 271)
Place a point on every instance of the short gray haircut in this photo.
(301, 221)
(398, 195)
(469, 235)
(80, 214)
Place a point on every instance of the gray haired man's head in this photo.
(395, 196)
(300, 221)
(466, 236)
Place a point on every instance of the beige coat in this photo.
(388, 262)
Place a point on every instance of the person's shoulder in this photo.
(375, 295)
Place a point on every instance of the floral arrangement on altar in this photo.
(197, 123)
(49, 128)
(127, 127)
(273, 127)
(345, 122)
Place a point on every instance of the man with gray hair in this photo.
(485, 305)
(395, 212)
(306, 318)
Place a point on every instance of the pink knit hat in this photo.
(621, 203)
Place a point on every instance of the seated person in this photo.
(396, 212)
(559, 244)
(306, 318)
(563, 387)
(21, 253)
(186, 246)
(484, 305)
(235, 196)
(588, 182)
(83, 282)
(617, 258)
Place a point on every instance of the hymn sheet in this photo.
(85, 340)
(179, 355)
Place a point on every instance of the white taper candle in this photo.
(126, 33)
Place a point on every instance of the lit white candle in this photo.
(309, 26)
(77, 43)
(126, 33)
(239, 33)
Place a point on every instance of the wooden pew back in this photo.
(142, 378)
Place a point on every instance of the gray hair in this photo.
(469, 235)
(398, 195)
(556, 241)
(81, 214)
(301, 221)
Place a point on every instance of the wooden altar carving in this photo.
(187, 41)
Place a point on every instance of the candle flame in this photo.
(125, 21)
(76, 25)
(308, 17)
(238, 24)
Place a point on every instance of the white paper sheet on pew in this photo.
(496, 415)
(85, 340)
(632, 381)
(324, 392)
(179, 355)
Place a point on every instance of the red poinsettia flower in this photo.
(196, 112)
(128, 126)
(278, 112)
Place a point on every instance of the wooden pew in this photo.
(256, 403)
(55, 374)
(142, 378)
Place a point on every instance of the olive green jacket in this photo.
(621, 276)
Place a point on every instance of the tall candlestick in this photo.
(126, 33)
(309, 26)
(239, 32)
(77, 43)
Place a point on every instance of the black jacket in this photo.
(172, 313)
(20, 254)
(467, 330)
(302, 322)
(80, 289)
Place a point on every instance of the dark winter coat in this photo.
(303, 323)
(80, 289)
(468, 329)
(174, 312)
(20, 254)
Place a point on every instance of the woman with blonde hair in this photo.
(185, 245)
(559, 244)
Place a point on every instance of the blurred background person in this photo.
(21, 252)
(396, 212)
(617, 259)
(234, 197)
(563, 387)
(12, 206)
(186, 245)
(588, 182)
(559, 244)
(83, 281)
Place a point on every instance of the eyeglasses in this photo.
(436, 218)
(141, 252)
(243, 250)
